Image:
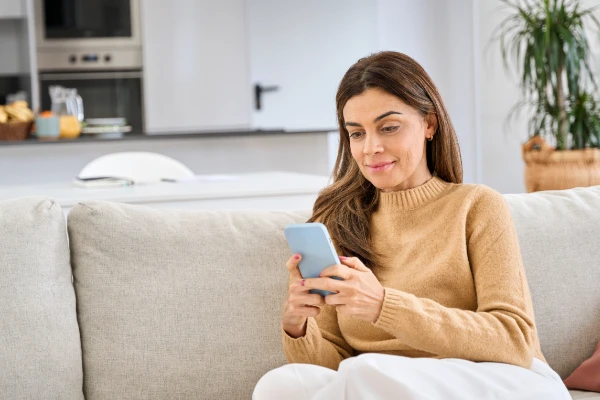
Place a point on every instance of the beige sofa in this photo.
(136, 303)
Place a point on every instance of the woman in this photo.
(434, 303)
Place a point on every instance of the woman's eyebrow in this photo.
(382, 116)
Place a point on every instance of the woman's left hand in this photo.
(359, 294)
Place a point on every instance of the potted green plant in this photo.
(547, 45)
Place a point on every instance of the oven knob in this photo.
(72, 59)
(107, 58)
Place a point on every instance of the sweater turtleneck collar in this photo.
(412, 198)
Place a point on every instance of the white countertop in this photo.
(259, 184)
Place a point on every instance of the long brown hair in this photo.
(346, 205)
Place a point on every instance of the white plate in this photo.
(106, 121)
(96, 130)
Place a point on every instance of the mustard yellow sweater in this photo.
(454, 284)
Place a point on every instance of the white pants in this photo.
(381, 377)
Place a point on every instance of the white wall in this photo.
(457, 18)
(594, 38)
(416, 29)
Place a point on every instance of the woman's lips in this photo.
(380, 167)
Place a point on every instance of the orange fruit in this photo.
(69, 126)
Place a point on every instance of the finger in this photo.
(312, 311)
(334, 300)
(338, 270)
(312, 300)
(307, 311)
(292, 265)
(329, 284)
(354, 263)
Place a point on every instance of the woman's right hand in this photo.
(299, 304)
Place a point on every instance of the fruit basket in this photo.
(16, 120)
(15, 130)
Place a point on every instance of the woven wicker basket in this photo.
(15, 130)
(550, 169)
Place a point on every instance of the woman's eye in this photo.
(355, 135)
(389, 129)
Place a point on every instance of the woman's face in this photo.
(387, 140)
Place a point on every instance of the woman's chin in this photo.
(385, 185)
(386, 181)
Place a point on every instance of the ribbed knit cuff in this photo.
(393, 302)
(300, 345)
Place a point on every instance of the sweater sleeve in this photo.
(323, 343)
(502, 328)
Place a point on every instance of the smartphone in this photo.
(312, 241)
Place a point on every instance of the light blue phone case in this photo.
(313, 242)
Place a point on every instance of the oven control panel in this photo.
(90, 58)
(84, 60)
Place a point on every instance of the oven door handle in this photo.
(78, 76)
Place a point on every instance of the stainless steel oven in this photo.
(92, 34)
(95, 47)
(105, 94)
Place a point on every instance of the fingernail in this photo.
(342, 257)
(297, 256)
(302, 283)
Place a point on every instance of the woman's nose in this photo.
(372, 145)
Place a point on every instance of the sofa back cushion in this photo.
(178, 304)
(187, 304)
(40, 350)
(559, 235)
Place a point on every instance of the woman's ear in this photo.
(431, 123)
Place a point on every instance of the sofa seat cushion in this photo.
(178, 304)
(40, 350)
(581, 395)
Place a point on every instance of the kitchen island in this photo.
(275, 191)
(33, 161)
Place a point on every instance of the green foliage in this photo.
(547, 41)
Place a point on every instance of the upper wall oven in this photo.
(88, 34)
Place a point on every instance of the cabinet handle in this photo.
(258, 92)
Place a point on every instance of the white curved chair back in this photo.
(137, 166)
